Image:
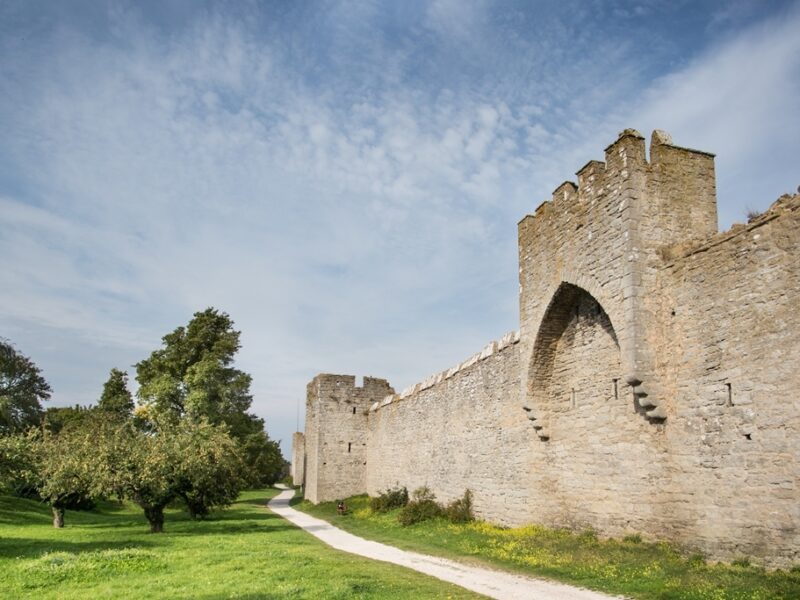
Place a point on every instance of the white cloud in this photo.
(739, 100)
(353, 208)
(460, 21)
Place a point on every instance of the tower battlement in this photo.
(605, 235)
(678, 183)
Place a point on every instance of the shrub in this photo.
(460, 510)
(588, 535)
(422, 507)
(752, 214)
(697, 560)
(391, 498)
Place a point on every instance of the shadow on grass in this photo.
(232, 521)
(225, 528)
(250, 596)
(33, 548)
(113, 516)
(21, 547)
(261, 502)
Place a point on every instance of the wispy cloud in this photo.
(344, 180)
(739, 99)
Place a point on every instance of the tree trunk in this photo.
(155, 516)
(197, 510)
(58, 517)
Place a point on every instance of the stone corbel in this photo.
(538, 424)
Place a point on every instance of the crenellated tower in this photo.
(336, 434)
(592, 252)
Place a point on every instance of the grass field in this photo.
(630, 567)
(246, 552)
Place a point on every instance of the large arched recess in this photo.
(576, 357)
(589, 473)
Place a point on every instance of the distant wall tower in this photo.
(336, 434)
(298, 471)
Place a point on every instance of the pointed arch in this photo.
(576, 344)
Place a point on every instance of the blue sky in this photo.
(344, 179)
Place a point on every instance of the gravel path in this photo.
(494, 584)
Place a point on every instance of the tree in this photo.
(192, 376)
(212, 472)
(145, 470)
(16, 462)
(265, 463)
(60, 467)
(192, 460)
(57, 418)
(22, 390)
(192, 373)
(116, 398)
(263, 460)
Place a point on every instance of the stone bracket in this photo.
(652, 410)
(538, 424)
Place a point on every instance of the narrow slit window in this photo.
(730, 394)
(616, 388)
(354, 410)
(349, 446)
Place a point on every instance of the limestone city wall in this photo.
(732, 321)
(446, 433)
(651, 389)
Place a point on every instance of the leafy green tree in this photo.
(61, 467)
(22, 390)
(212, 470)
(186, 459)
(58, 417)
(116, 398)
(146, 470)
(265, 463)
(192, 376)
(16, 462)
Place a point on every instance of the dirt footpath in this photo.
(494, 584)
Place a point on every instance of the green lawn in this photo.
(630, 567)
(244, 552)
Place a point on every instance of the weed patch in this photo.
(460, 510)
(422, 507)
(391, 498)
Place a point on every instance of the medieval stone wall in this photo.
(732, 326)
(455, 431)
(652, 388)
